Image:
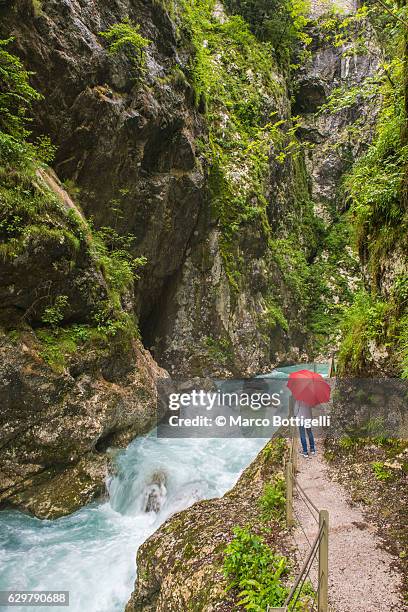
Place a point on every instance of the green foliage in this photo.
(53, 315)
(111, 320)
(31, 211)
(330, 291)
(280, 22)
(381, 472)
(273, 316)
(273, 500)
(233, 79)
(347, 442)
(16, 98)
(365, 321)
(113, 252)
(403, 345)
(125, 38)
(37, 7)
(377, 193)
(275, 450)
(28, 207)
(345, 30)
(239, 87)
(376, 181)
(347, 97)
(219, 350)
(258, 573)
(59, 342)
(16, 93)
(255, 570)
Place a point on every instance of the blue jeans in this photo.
(302, 432)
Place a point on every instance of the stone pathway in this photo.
(360, 574)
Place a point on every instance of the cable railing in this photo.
(317, 548)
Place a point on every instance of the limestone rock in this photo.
(56, 426)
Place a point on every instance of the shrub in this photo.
(255, 570)
(364, 321)
(258, 573)
(381, 472)
(280, 22)
(53, 315)
(113, 253)
(125, 38)
(273, 500)
(16, 93)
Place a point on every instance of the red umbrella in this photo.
(309, 387)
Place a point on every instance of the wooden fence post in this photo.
(332, 367)
(291, 406)
(291, 412)
(289, 494)
(323, 585)
(295, 455)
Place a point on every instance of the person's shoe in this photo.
(313, 452)
(305, 455)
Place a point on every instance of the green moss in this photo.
(233, 73)
(57, 344)
(219, 350)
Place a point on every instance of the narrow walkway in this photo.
(360, 574)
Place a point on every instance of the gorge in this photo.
(187, 189)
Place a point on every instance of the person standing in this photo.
(304, 410)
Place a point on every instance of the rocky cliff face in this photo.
(334, 70)
(70, 389)
(132, 142)
(187, 145)
(338, 108)
(181, 563)
(125, 137)
(56, 426)
(129, 144)
(375, 338)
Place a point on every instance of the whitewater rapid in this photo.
(92, 553)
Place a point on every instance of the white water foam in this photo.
(92, 552)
